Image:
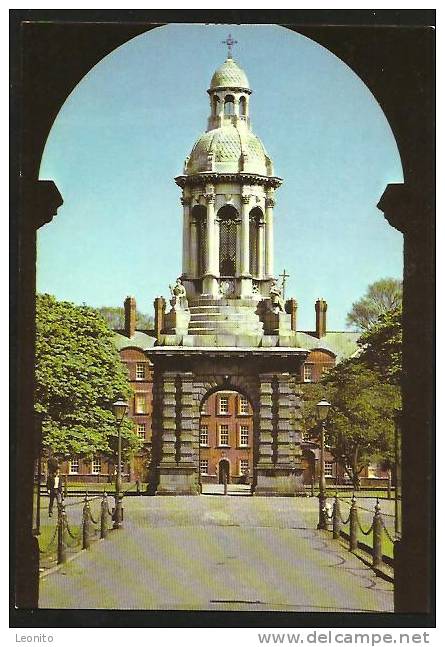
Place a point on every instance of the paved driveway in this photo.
(217, 553)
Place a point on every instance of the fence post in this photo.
(103, 516)
(377, 537)
(61, 548)
(86, 523)
(353, 525)
(336, 520)
(138, 487)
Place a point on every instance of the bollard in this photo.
(61, 548)
(336, 519)
(86, 524)
(377, 531)
(138, 487)
(353, 525)
(103, 516)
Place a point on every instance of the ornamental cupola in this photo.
(228, 197)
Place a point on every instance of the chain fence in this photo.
(67, 528)
(378, 538)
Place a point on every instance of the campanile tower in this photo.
(228, 327)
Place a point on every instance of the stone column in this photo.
(186, 256)
(270, 203)
(245, 199)
(216, 247)
(193, 260)
(186, 405)
(210, 287)
(167, 424)
(260, 250)
(178, 468)
(265, 445)
(283, 421)
(246, 279)
(276, 468)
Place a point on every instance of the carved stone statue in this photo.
(179, 296)
(276, 298)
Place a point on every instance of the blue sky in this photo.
(124, 132)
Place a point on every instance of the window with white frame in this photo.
(96, 465)
(223, 434)
(328, 468)
(204, 466)
(204, 435)
(243, 405)
(140, 371)
(74, 466)
(243, 466)
(223, 404)
(141, 430)
(140, 403)
(307, 373)
(244, 436)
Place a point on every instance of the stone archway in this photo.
(269, 379)
(226, 433)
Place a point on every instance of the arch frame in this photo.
(393, 56)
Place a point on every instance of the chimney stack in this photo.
(320, 318)
(291, 308)
(130, 316)
(159, 305)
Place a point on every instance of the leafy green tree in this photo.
(381, 297)
(78, 377)
(115, 318)
(382, 346)
(360, 426)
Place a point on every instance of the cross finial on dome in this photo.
(230, 42)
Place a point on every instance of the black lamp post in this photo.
(322, 414)
(120, 408)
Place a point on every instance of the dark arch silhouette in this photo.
(397, 66)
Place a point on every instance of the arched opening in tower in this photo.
(228, 217)
(229, 105)
(199, 221)
(242, 106)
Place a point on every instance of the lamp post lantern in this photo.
(322, 414)
(120, 408)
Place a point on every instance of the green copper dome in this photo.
(229, 75)
(229, 149)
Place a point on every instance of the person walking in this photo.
(54, 487)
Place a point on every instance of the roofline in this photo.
(229, 350)
(242, 177)
(235, 88)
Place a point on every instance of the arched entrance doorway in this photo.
(226, 441)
